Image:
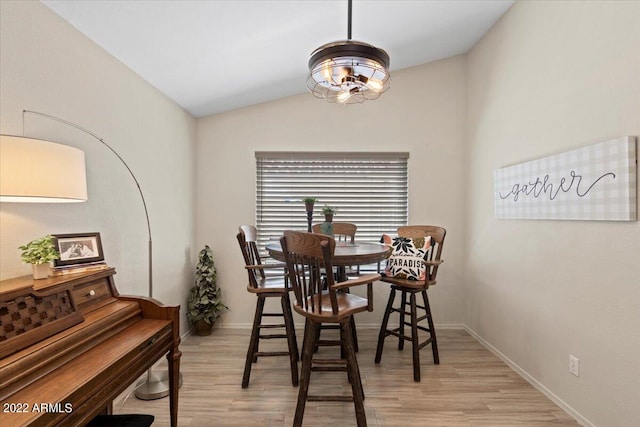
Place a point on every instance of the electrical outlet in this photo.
(574, 365)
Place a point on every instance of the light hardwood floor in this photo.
(470, 387)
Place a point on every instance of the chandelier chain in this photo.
(349, 21)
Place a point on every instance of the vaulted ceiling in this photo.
(212, 56)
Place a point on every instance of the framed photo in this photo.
(77, 249)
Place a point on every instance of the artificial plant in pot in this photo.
(308, 205)
(204, 304)
(326, 227)
(328, 212)
(39, 253)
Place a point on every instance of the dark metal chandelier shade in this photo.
(348, 71)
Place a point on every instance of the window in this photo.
(368, 189)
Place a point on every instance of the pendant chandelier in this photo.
(348, 71)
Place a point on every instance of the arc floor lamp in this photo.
(37, 184)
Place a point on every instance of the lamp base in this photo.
(156, 386)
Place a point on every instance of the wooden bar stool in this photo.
(265, 286)
(342, 232)
(307, 255)
(408, 290)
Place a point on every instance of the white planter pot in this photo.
(40, 271)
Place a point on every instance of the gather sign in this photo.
(596, 182)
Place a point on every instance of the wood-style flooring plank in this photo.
(470, 387)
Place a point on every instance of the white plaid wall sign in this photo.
(597, 182)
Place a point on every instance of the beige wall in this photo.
(423, 113)
(549, 77)
(48, 66)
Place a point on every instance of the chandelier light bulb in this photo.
(375, 85)
(344, 97)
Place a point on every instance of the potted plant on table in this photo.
(326, 227)
(39, 253)
(328, 212)
(204, 304)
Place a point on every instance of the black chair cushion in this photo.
(126, 420)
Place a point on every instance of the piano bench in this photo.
(121, 421)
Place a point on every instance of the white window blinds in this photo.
(367, 189)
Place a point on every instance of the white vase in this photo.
(40, 271)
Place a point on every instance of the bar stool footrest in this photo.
(271, 353)
(272, 326)
(272, 336)
(329, 368)
(329, 398)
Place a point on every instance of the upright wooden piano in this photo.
(69, 345)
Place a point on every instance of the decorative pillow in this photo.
(407, 257)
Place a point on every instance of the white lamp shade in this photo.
(38, 171)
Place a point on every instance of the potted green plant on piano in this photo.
(204, 304)
(39, 253)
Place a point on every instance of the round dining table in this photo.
(346, 254)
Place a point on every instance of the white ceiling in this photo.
(211, 56)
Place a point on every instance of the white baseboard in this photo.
(555, 399)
